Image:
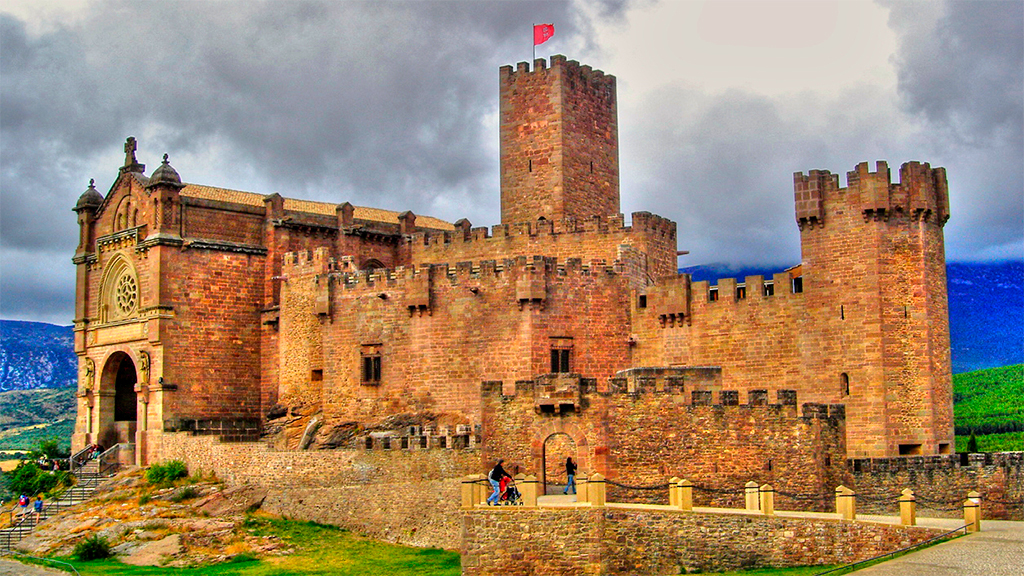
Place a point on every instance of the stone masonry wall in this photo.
(941, 483)
(623, 540)
(643, 437)
(405, 496)
(441, 331)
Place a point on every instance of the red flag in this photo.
(542, 33)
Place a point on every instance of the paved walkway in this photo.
(12, 568)
(998, 550)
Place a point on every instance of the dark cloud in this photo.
(393, 104)
(961, 66)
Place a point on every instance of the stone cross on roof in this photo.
(131, 163)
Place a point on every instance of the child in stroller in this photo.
(510, 495)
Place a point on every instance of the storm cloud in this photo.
(394, 104)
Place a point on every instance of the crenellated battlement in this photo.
(695, 386)
(559, 64)
(642, 223)
(319, 263)
(922, 193)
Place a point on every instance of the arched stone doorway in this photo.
(557, 447)
(118, 400)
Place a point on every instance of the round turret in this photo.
(165, 175)
(90, 199)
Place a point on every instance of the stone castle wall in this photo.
(622, 540)
(440, 331)
(940, 483)
(661, 426)
(405, 496)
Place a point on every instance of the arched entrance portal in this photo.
(118, 410)
(557, 447)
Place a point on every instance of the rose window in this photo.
(126, 294)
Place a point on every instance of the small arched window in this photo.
(373, 264)
(844, 384)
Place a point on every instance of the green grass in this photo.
(989, 401)
(319, 550)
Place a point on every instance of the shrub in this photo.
(185, 493)
(972, 443)
(144, 499)
(94, 547)
(28, 478)
(243, 557)
(166, 472)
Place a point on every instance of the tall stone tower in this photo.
(559, 142)
(874, 282)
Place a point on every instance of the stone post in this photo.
(582, 487)
(908, 508)
(529, 490)
(481, 489)
(846, 503)
(972, 511)
(751, 496)
(685, 495)
(467, 491)
(596, 491)
(673, 492)
(767, 500)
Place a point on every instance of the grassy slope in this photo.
(319, 550)
(989, 401)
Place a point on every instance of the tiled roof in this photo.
(310, 206)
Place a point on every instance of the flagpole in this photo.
(534, 30)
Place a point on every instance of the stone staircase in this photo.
(88, 475)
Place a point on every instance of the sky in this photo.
(395, 105)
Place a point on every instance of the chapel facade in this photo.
(314, 324)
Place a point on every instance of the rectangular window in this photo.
(560, 361)
(769, 288)
(741, 292)
(798, 284)
(642, 302)
(561, 355)
(371, 359)
(713, 294)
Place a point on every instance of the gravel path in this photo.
(12, 568)
(998, 550)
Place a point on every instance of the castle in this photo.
(317, 325)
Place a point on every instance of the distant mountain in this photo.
(986, 314)
(986, 309)
(36, 355)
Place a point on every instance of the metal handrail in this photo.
(108, 459)
(904, 549)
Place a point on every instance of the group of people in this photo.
(37, 506)
(501, 481)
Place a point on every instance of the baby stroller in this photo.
(510, 495)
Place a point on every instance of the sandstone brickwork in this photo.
(623, 540)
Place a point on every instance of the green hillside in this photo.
(21, 408)
(989, 401)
